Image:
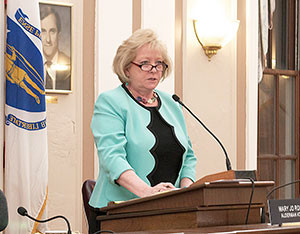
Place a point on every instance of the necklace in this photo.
(144, 100)
(147, 101)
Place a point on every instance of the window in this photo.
(278, 114)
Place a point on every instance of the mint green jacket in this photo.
(123, 142)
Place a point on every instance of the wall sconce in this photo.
(213, 36)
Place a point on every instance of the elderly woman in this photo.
(139, 131)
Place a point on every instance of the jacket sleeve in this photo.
(108, 126)
(189, 164)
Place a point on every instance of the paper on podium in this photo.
(60, 232)
(226, 175)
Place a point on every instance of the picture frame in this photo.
(56, 36)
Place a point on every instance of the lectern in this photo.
(204, 204)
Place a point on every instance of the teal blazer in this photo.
(119, 126)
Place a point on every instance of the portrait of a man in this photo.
(57, 63)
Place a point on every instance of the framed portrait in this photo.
(56, 35)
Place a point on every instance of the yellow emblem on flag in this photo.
(17, 75)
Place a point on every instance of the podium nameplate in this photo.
(284, 211)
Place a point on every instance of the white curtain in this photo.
(266, 10)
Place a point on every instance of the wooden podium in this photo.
(203, 204)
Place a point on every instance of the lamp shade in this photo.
(215, 33)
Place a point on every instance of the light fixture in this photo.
(60, 67)
(212, 36)
(51, 99)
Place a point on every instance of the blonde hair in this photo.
(126, 52)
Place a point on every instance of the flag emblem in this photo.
(24, 68)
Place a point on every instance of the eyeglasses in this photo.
(161, 67)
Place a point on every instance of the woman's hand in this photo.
(161, 187)
(185, 182)
(136, 185)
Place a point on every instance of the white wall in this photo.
(252, 85)
(108, 39)
(209, 89)
(64, 123)
(164, 15)
(113, 26)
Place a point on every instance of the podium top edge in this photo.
(242, 183)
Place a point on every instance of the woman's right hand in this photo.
(136, 185)
(161, 187)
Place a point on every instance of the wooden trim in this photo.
(136, 15)
(275, 156)
(277, 132)
(178, 71)
(270, 50)
(291, 33)
(88, 84)
(88, 64)
(241, 86)
(258, 136)
(280, 72)
(297, 129)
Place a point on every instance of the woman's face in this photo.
(144, 81)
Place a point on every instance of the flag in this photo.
(26, 150)
(2, 43)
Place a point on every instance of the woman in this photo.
(139, 132)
